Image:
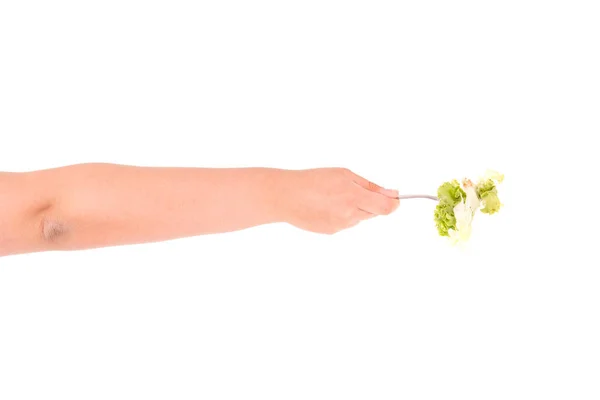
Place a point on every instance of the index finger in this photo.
(373, 187)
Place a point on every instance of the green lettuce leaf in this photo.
(488, 194)
(444, 218)
(449, 194)
(458, 204)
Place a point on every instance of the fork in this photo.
(417, 196)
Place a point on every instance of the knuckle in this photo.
(330, 231)
(344, 205)
(343, 172)
(346, 212)
(387, 208)
(373, 186)
(349, 209)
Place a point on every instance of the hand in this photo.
(328, 200)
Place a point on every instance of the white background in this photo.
(408, 94)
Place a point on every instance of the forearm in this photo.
(97, 205)
(100, 205)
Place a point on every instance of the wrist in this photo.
(277, 186)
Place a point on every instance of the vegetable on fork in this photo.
(459, 202)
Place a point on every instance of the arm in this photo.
(98, 205)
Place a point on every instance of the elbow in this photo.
(52, 228)
(53, 231)
(31, 220)
(22, 237)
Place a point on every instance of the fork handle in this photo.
(417, 196)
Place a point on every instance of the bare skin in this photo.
(99, 205)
